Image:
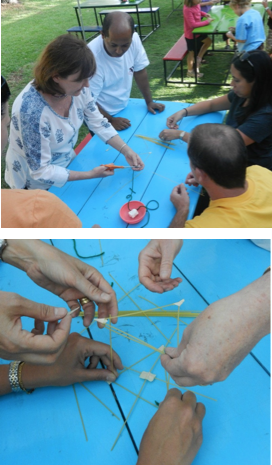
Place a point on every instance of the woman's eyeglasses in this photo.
(244, 56)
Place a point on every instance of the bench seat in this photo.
(78, 30)
(176, 53)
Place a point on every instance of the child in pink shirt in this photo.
(192, 15)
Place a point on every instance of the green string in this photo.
(129, 197)
(81, 256)
(76, 252)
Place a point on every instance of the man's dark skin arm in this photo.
(180, 200)
(141, 79)
(118, 123)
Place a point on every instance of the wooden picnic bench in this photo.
(176, 53)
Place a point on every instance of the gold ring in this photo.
(84, 300)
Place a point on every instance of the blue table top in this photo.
(99, 200)
(236, 426)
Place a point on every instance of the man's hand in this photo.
(180, 198)
(63, 275)
(221, 336)
(190, 180)
(120, 123)
(19, 344)
(152, 106)
(155, 264)
(174, 434)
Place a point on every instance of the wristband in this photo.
(267, 8)
(21, 384)
(13, 376)
(185, 109)
(121, 148)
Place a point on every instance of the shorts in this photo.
(199, 40)
(269, 42)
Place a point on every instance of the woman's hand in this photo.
(19, 344)
(172, 120)
(70, 366)
(63, 275)
(169, 134)
(133, 159)
(101, 172)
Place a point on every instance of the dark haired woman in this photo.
(47, 115)
(249, 104)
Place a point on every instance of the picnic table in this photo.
(133, 5)
(46, 425)
(99, 200)
(224, 18)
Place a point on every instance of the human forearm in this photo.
(33, 376)
(232, 36)
(104, 112)
(22, 253)
(179, 218)
(141, 79)
(221, 336)
(131, 156)
(81, 175)
(200, 108)
(4, 380)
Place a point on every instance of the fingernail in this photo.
(60, 311)
(111, 377)
(105, 296)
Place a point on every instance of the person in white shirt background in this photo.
(119, 55)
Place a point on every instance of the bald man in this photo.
(119, 56)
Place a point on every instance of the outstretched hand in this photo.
(155, 264)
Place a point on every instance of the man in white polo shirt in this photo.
(119, 56)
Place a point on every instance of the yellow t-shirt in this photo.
(253, 209)
(35, 209)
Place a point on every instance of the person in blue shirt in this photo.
(249, 31)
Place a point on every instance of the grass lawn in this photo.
(29, 26)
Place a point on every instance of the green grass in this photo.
(29, 26)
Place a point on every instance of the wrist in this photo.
(21, 253)
(35, 376)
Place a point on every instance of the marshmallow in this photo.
(133, 213)
(147, 375)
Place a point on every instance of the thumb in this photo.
(172, 366)
(41, 312)
(173, 352)
(166, 260)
